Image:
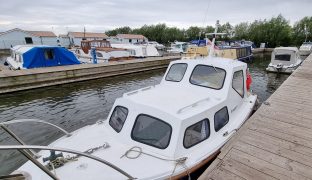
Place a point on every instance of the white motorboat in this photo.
(305, 49)
(139, 50)
(284, 60)
(156, 44)
(38, 56)
(178, 47)
(104, 51)
(165, 131)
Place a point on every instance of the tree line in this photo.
(275, 32)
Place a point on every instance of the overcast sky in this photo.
(100, 15)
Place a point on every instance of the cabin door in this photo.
(238, 90)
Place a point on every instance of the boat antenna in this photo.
(84, 32)
(305, 32)
(211, 51)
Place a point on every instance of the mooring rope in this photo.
(180, 161)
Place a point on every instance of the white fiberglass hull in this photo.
(14, 64)
(145, 166)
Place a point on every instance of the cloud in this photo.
(63, 16)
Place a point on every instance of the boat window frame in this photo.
(182, 75)
(124, 120)
(214, 118)
(206, 119)
(241, 95)
(207, 86)
(136, 119)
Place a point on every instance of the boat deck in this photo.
(276, 142)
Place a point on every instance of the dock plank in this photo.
(276, 142)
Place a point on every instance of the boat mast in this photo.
(305, 32)
(211, 51)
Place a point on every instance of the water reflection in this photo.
(78, 104)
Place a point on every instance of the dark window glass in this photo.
(238, 82)
(99, 54)
(176, 72)
(208, 76)
(221, 118)
(282, 57)
(151, 131)
(118, 118)
(28, 40)
(196, 133)
(48, 54)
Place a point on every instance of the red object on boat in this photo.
(248, 80)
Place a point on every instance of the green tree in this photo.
(121, 30)
(241, 31)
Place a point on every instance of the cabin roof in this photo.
(24, 48)
(88, 35)
(172, 98)
(131, 36)
(286, 48)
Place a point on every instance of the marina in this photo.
(275, 143)
(142, 90)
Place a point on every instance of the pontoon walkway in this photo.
(276, 142)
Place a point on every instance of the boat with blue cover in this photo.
(38, 56)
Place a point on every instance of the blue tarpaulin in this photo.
(47, 57)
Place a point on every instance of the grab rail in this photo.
(38, 121)
(27, 147)
(192, 105)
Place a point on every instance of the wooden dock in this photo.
(11, 81)
(276, 142)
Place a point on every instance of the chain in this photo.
(60, 161)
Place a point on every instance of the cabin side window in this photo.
(98, 54)
(48, 54)
(196, 133)
(208, 76)
(221, 118)
(176, 72)
(118, 118)
(238, 82)
(282, 57)
(151, 131)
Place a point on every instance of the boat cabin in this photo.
(196, 102)
(285, 56)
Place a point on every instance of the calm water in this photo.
(75, 105)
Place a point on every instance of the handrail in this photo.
(192, 105)
(38, 121)
(23, 147)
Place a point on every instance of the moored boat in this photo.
(164, 131)
(284, 60)
(38, 56)
(104, 51)
(305, 49)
